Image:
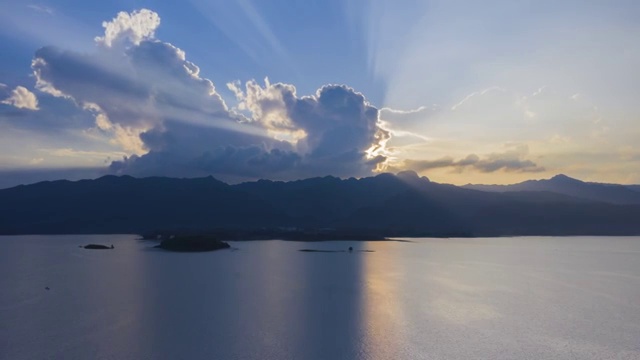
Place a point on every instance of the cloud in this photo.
(153, 103)
(550, 77)
(181, 149)
(333, 132)
(69, 152)
(227, 162)
(401, 123)
(134, 87)
(405, 112)
(512, 160)
(41, 8)
(135, 27)
(22, 98)
(474, 94)
(334, 121)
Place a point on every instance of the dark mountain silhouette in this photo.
(562, 184)
(124, 204)
(634, 187)
(390, 205)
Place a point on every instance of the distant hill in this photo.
(562, 184)
(634, 187)
(391, 205)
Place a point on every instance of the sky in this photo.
(492, 92)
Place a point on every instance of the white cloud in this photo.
(405, 112)
(539, 91)
(103, 123)
(135, 27)
(266, 105)
(41, 8)
(474, 94)
(133, 90)
(22, 98)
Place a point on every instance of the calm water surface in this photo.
(504, 298)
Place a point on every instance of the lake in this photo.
(487, 298)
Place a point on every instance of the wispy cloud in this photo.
(41, 8)
(86, 154)
(474, 94)
(513, 160)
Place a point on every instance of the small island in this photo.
(192, 244)
(98, 247)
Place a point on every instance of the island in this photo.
(98, 247)
(192, 244)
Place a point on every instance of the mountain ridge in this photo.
(387, 204)
(563, 184)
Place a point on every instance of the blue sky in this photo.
(459, 91)
(318, 45)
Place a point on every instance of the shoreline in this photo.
(408, 239)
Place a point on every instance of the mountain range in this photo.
(391, 205)
(562, 184)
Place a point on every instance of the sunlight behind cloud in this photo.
(37, 25)
(455, 84)
(241, 22)
(506, 73)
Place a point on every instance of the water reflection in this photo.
(384, 316)
(454, 299)
(459, 302)
(330, 301)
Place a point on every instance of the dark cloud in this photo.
(337, 121)
(178, 149)
(424, 165)
(226, 162)
(509, 161)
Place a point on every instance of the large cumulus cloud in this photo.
(155, 105)
(336, 130)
